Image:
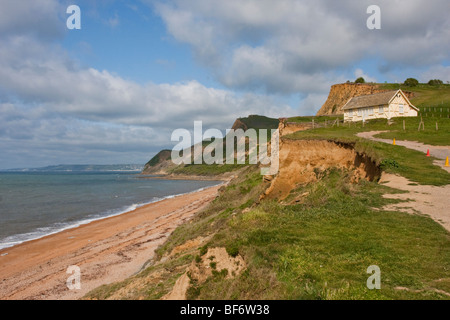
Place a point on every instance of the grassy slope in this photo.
(319, 249)
(425, 95)
(430, 100)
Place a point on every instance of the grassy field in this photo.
(426, 96)
(428, 135)
(317, 249)
(411, 164)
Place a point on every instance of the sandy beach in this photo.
(106, 251)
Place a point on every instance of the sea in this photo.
(37, 204)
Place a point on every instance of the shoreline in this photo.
(119, 212)
(106, 250)
(222, 177)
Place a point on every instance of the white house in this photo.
(386, 105)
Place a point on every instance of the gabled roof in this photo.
(374, 100)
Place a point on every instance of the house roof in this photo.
(370, 100)
(374, 100)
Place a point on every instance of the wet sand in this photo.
(106, 251)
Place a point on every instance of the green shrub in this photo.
(203, 250)
(389, 164)
(411, 82)
(435, 82)
(232, 250)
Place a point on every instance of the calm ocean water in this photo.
(36, 204)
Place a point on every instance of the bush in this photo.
(411, 82)
(435, 82)
(389, 164)
(360, 80)
(232, 250)
(203, 250)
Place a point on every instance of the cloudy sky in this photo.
(114, 91)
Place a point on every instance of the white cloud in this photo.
(30, 17)
(436, 72)
(360, 73)
(281, 46)
(51, 108)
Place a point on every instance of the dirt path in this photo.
(106, 250)
(429, 200)
(439, 152)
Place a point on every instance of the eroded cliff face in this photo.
(341, 93)
(304, 161)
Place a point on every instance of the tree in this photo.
(435, 82)
(411, 82)
(360, 80)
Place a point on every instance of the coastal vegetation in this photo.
(318, 248)
(318, 242)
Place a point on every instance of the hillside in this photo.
(161, 163)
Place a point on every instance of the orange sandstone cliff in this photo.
(341, 93)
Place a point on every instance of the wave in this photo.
(42, 232)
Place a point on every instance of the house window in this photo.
(359, 112)
(370, 111)
(380, 110)
(350, 113)
(400, 108)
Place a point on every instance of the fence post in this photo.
(421, 123)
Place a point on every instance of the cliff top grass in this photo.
(411, 164)
(425, 95)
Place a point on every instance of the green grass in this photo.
(317, 119)
(260, 122)
(322, 248)
(425, 95)
(412, 164)
(205, 170)
(429, 135)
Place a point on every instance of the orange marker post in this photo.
(428, 152)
